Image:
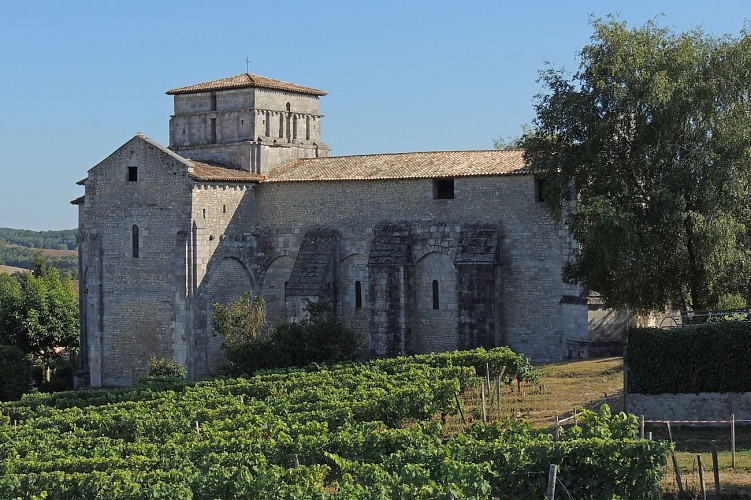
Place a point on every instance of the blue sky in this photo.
(79, 78)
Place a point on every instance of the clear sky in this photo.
(79, 78)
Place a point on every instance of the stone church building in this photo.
(416, 252)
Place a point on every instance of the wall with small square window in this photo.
(443, 189)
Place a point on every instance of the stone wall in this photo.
(134, 304)
(224, 261)
(701, 406)
(528, 316)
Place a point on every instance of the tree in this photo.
(653, 136)
(240, 322)
(39, 313)
(512, 142)
(251, 345)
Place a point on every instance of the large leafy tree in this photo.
(39, 312)
(646, 153)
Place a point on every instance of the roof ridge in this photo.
(416, 165)
(418, 152)
(246, 80)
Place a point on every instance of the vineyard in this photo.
(352, 430)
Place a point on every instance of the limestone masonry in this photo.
(416, 252)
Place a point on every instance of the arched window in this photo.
(134, 242)
(436, 303)
(288, 128)
(358, 295)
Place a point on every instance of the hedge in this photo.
(711, 357)
(15, 373)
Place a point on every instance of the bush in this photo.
(164, 375)
(164, 367)
(15, 373)
(711, 357)
(320, 337)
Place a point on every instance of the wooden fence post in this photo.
(458, 405)
(675, 464)
(732, 438)
(625, 378)
(701, 478)
(498, 391)
(552, 475)
(487, 379)
(557, 434)
(715, 468)
(641, 426)
(482, 398)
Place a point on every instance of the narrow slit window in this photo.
(288, 120)
(436, 300)
(213, 102)
(212, 130)
(132, 174)
(358, 295)
(539, 190)
(443, 189)
(134, 241)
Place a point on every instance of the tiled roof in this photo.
(402, 166)
(211, 172)
(246, 80)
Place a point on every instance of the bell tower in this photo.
(248, 122)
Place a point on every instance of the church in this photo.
(415, 252)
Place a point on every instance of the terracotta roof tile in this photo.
(403, 166)
(213, 172)
(246, 80)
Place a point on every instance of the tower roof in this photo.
(246, 80)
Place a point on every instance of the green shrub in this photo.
(165, 367)
(15, 373)
(731, 301)
(320, 337)
(712, 357)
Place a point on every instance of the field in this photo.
(49, 252)
(11, 269)
(370, 430)
(387, 429)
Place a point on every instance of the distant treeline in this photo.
(56, 240)
(26, 243)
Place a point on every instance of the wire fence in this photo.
(679, 319)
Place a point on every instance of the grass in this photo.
(572, 385)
